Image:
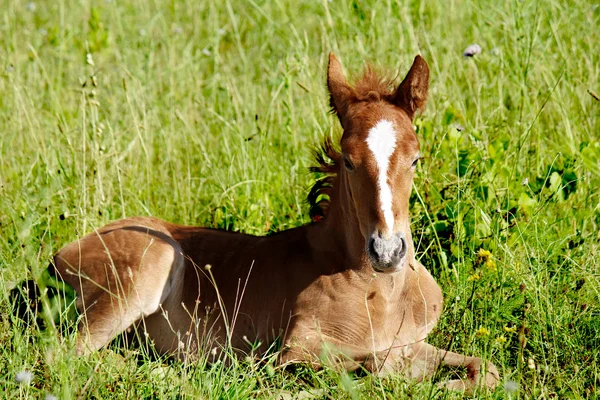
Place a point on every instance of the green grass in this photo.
(204, 112)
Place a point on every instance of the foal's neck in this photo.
(339, 235)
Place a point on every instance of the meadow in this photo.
(205, 113)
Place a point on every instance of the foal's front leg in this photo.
(317, 349)
(424, 358)
(417, 360)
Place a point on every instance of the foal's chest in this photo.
(367, 315)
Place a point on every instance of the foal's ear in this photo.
(340, 91)
(411, 94)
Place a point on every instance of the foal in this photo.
(346, 288)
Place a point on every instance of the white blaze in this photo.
(382, 142)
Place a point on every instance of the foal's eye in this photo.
(414, 164)
(348, 164)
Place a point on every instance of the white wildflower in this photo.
(472, 50)
(24, 377)
(511, 387)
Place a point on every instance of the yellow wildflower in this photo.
(483, 253)
(485, 257)
(482, 331)
(501, 339)
(473, 278)
(511, 329)
(490, 264)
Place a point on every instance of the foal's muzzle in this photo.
(386, 254)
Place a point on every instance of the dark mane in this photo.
(319, 196)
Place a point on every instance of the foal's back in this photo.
(186, 286)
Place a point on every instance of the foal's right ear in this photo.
(341, 93)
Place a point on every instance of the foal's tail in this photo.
(45, 302)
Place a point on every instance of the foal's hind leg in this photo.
(121, 273)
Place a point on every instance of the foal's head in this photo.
(380, 151)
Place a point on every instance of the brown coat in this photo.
(346, 289)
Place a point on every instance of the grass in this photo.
(204, 112)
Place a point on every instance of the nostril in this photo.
(401, 248)
(372, 247)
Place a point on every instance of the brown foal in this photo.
(346, 289)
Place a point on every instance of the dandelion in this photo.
(24, 377)
(208, 267)
(472, 50)
(474, 277)
(531, 363)
(482, 331)
(510, 329)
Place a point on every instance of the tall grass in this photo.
(204, 112)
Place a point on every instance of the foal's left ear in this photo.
(411, 94)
